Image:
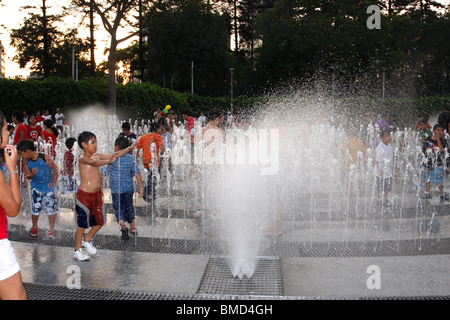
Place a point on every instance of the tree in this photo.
(35, 40)
(113, 14)
(249, 10)
(47, 49)
(186, 31)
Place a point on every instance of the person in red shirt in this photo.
(190, 122)
(67, 182)
(20, 130)
(145, 143)
(33, 129)
(11, 284)
(39, 117)
(49, 135)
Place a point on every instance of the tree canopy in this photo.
(267, 43)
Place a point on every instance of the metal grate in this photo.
(276, 247)
(156, 245)
(36, 291)
(266, 280)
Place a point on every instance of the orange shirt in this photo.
(352, 146)
(145, 142)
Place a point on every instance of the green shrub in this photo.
(139, 100)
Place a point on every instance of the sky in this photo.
(11, 17)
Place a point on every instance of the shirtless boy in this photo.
(89, 197)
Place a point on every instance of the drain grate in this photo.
(37, 291)
(274, 247)
(156, 245)
(267, 279)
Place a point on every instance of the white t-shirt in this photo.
(384, 155)
(59, 119)
(49, 117)
(203, 120)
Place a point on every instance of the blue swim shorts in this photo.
(433, 175)
(46, 202)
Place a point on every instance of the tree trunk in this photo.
(92, 44)
(112, 59)
(45, 63)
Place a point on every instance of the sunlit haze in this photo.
(11, 17)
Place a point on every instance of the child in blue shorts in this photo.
(121, 174)
(43, 173)
(436, 151)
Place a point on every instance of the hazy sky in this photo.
(11, 18)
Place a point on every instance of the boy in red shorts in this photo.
(89, 197)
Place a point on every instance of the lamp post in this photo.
(231, 70)
(192, 77)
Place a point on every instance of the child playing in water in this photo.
(384, 164)
(33, 129)
(122, 172)
(49, 134)
(353, 149)
(145, 143)
(43, 173)
(127, 133)
(89, 197)
(67, 182)
(436, 150)
(422, 130)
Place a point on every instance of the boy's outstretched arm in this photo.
(117, 154)
(96, 162)
(122, 152)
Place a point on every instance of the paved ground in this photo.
(174, 273)
(158, 267)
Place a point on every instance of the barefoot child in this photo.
(89, 197)
(436, 151)
(384, 166)
(43, 173)
(68, 183)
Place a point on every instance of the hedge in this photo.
(138, 101)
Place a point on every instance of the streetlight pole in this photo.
(192, 77)
(333, 85)
(73, 63)
(231, 70)
(236, 45)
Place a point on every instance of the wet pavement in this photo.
(387, 255)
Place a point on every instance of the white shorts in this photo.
(9, 265)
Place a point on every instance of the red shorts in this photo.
(89, 209)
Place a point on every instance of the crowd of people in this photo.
(20, 144)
